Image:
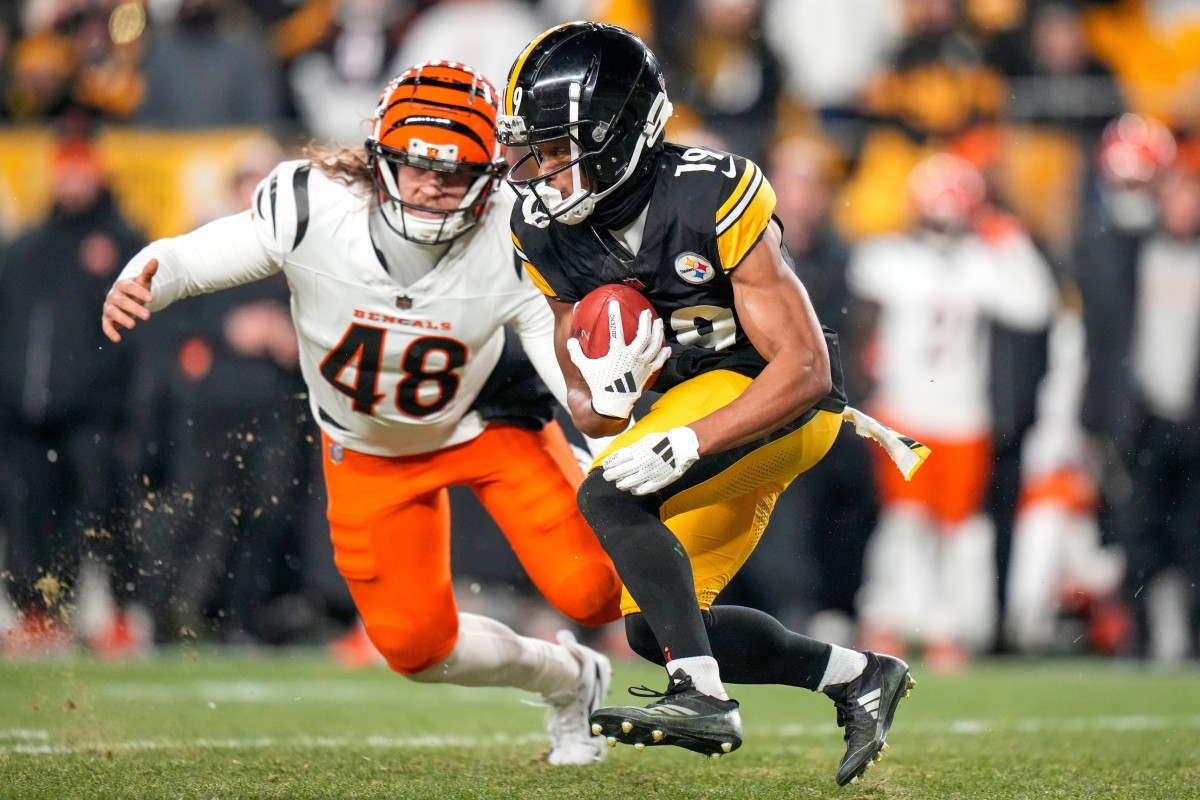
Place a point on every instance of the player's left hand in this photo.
(654, 461)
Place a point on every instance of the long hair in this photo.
(346, 165)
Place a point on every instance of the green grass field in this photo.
(215, 724)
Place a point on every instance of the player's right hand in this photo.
(617, 378)
(127, 302)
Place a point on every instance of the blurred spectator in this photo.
(1052, 75)
(108, 43)
(721, 71)
(1139, 273)
(224, 522)
(201, 74)
(929, 577)
(62, 400)
(1153, 46)
(935, 89)
(85, 53)
(1061, 570)
(825, 518)
(936, 84)
(336, 84)
(829, 51)
(488, 34)
(42, 73)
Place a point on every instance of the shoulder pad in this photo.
(280, 207)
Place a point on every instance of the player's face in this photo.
(432, 188)
(555, 155)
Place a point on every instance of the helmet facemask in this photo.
(425, 224)
(437, 117)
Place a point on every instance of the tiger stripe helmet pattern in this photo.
(439, 116)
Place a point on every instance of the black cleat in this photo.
(683, 716)
(865, 708)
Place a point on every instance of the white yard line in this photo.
(30, 741)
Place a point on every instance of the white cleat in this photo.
(572, 737)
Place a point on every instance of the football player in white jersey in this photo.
(403, 278)
(936, 290)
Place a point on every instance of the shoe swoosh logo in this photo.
(729, 173)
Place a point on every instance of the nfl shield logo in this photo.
(336, 453)
(404, 303)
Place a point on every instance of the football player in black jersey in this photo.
(751, 392)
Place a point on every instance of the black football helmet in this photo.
(599, 87)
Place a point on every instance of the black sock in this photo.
(753, 647)
(749, 645)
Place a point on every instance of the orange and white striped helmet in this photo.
(946, 190)
(438, 116)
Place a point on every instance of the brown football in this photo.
(589, 324)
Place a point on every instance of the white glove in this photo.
(618, 377)
(652, 462)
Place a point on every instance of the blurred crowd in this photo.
(995, 202)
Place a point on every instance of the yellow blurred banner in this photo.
(166, 182)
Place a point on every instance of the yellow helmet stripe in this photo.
(520, 63)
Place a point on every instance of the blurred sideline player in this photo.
(605, 200)
(929, 567)
(402, 279)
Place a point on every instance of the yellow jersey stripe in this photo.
(539, 281)
(744, 224)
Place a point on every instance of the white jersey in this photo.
(391, 370)
(937, 298)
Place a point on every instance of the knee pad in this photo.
(589, 595)
(641, 639)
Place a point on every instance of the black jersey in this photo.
(707, 212)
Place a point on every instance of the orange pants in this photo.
(951, 485)
(390, 523)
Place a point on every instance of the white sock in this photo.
(489, 653)
(704, 672)
(844, 665)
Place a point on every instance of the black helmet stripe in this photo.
(439, 122)
(436, 104)
(419, 80)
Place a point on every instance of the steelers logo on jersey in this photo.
(694, 268)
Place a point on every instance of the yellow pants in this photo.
(720, 519)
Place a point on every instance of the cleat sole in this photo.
(642, 736)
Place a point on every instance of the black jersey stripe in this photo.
(327, 418)
(274, 188)
(300, 191)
